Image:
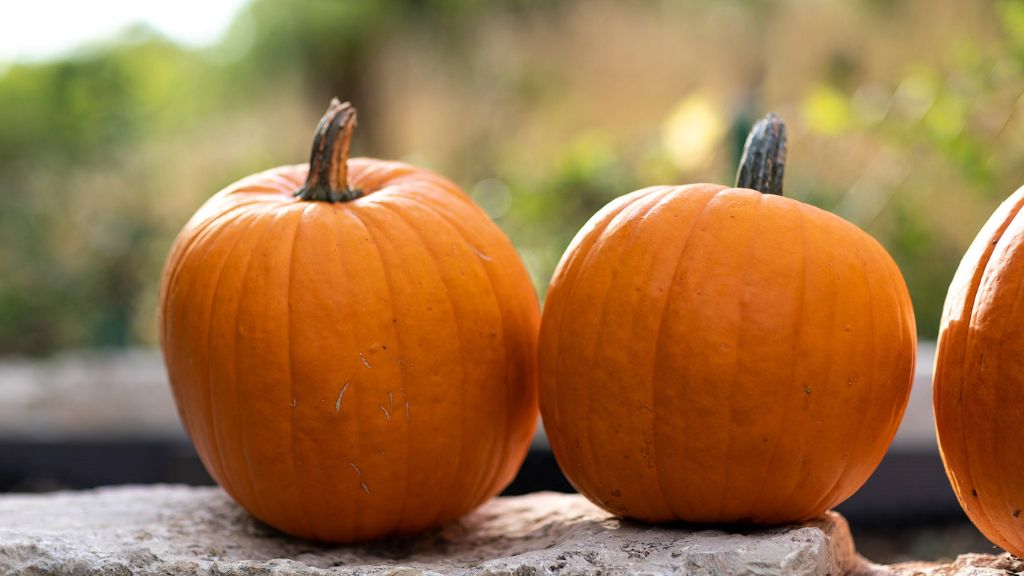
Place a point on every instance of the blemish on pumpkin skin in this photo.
(294, 402)
(807, 390)
(974, 493)
(362, 483)
(365, 361)
(479, 253)
(386, 413)
(407, 411)
(1016, 513)
(341, 395)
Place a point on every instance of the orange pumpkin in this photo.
(352, 347)
(716, 354)
(979, 379)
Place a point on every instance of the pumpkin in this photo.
(978, 381)
(351, 344)
(724, 355)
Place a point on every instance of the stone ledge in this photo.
(172, 530)
(125, 392)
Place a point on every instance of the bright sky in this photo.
(41, 29)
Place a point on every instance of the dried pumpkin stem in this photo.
(764, 157)
(328, 162)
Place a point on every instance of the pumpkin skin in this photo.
(719, 355)
(349, 370)
(978, 383)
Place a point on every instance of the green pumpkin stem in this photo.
(328, 163)
(764, 157)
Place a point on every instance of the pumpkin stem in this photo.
(764, 157)
(327, 180)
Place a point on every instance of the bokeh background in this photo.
(905, 117)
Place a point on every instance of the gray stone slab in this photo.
(176, 530)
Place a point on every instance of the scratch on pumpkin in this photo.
(481, 254)
(362, 483)
(407, 410)
(365, 361)
(386, 413)
(341, 395)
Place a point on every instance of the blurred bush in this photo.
(905, 117)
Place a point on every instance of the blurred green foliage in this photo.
(905, 118)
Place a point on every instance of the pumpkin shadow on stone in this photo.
(260, 530)
(394, 548)
(733, 528)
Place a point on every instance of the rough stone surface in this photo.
(172, 530)
(965, 565)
